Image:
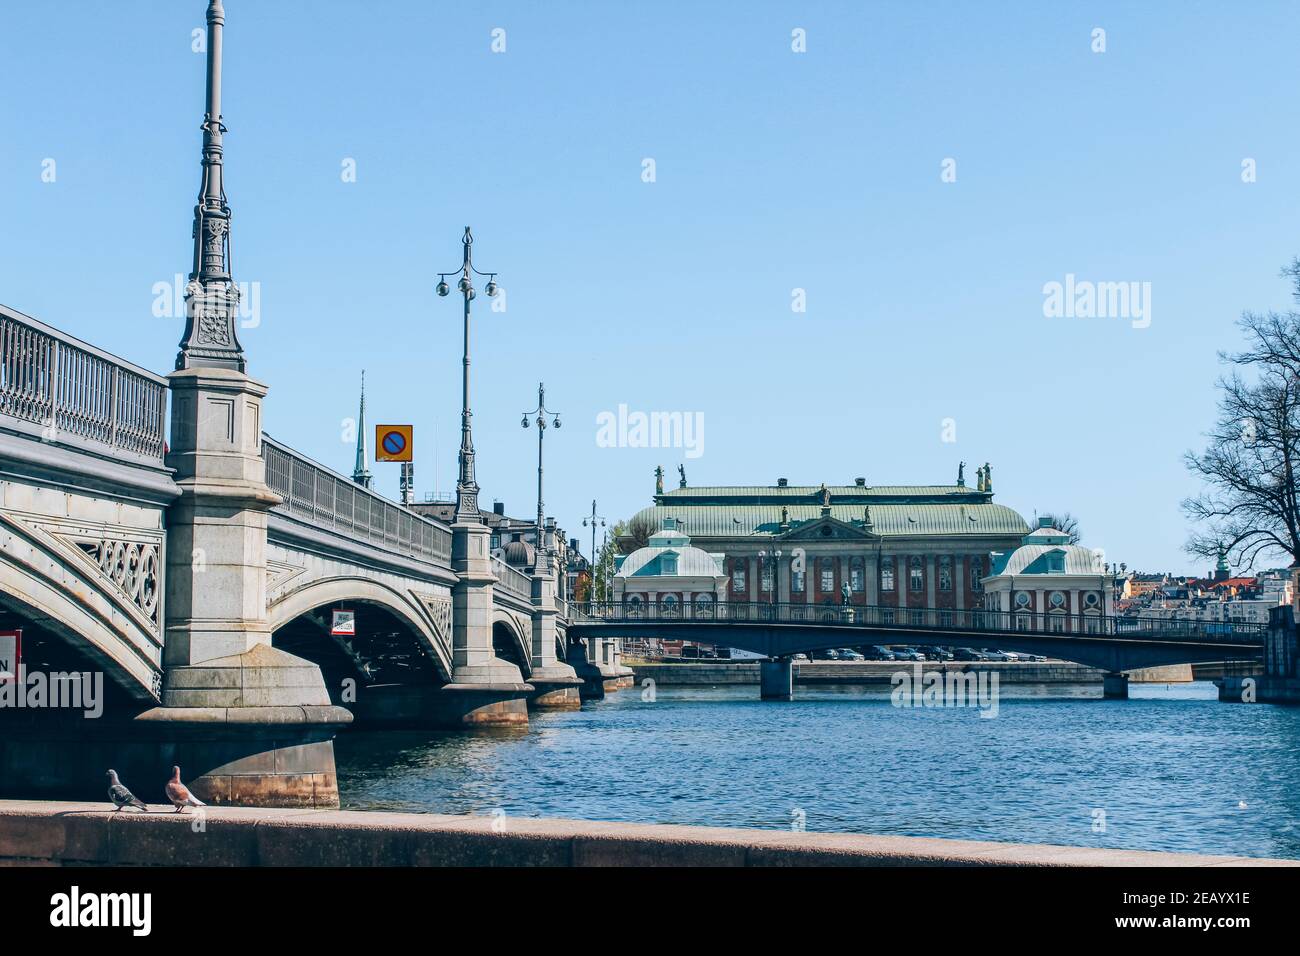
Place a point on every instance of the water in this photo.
(1172, 768)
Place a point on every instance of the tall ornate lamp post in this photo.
(494, 689)
(541, 411)
(466, 486)
(556, 682)
(593, 520)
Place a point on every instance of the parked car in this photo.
(908, 654)
(848, 654)
(878, 653)
(938, 654)
(967, 654)
(798, 658)
(993, 654)
(832, 655)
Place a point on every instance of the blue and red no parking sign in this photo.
(393, 442)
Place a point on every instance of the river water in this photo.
(1169, 769)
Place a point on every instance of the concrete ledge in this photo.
(43, 833)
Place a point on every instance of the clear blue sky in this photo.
(775, 170)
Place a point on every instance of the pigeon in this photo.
(121, 796)
(179, 794)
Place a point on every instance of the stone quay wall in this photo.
(37, 833)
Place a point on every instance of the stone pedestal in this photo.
(556, 683)
(492, 691)
(1114, 686)
(776, 680)
(248, 724)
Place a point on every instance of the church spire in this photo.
(360, 473)
(211, 297)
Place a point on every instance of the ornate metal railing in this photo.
(329, 500)
(512, 579)
(976, 622)
(78, 394)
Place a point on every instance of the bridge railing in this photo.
(977, 622)
(512, 579)
(328, 500)
(77, 394)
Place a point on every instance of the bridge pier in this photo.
(557, 684)
(593, 685)
(254, 724)
(1114, 686)
(776, 679)
(486, 691)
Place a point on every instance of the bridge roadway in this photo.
(777, 631)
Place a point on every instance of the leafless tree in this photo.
(1250, 507)
(1065, 522)
(635, 533)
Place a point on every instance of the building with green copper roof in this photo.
(892, 545)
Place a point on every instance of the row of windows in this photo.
(885, 575)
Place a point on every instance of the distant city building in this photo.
(1217, 599)
(895, 546)
(1048, 576)
(513, 540)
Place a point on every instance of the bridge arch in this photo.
(512, 639)
(320, 593)
(46, 582)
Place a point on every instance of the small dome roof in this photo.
(519, 554)
(1034, 559)
(669, 553)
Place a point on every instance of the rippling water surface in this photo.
(1172, 768)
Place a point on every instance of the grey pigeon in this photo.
(121, 796)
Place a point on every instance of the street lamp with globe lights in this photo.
(541, 411)
(466, 486)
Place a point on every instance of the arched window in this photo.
(945, 572)
(855, 573)
(634, 605)
(702, 605)
(886, 574)
(915, 573)
(670, 605)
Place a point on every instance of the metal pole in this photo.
(466, 487)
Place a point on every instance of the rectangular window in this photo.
(738, 576)
(828, 577)
(766, 580)
(945, 573)
(887, 574)
(916, 575)
(796, 581)
(855, 577)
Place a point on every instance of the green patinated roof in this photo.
(978, 516)
(840, 494)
